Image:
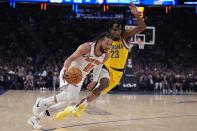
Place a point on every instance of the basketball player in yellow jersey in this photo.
(115, 64)
(109, 76)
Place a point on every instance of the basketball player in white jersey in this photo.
(88, 56)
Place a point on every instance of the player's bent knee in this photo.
(104, 83)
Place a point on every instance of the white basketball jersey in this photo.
(85, 63)
(89, 61)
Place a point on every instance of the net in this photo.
(140, 43)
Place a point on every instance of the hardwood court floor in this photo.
(112, 112)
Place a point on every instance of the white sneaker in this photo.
(33, 121)
(38, 107)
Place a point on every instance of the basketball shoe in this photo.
(38, 107)
(33, 121)
(79, 110)
(62, 114)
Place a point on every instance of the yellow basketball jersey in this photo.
(118, 55)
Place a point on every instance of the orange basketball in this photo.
(73, 75)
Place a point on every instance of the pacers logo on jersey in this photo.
(118, 55)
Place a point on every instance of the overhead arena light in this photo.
(56, 1)
(100, 1)
(190, 3)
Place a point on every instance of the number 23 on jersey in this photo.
(115, 54)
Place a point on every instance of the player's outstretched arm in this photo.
(141, 26)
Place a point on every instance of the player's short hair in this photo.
(103, 35)
(115, 21)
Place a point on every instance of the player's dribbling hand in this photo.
(91, 86)
(133, 9)
(64, 75)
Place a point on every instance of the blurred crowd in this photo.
(34, 45)
(171, 64)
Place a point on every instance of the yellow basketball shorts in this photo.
(114, 78)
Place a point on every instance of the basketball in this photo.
(73, 75)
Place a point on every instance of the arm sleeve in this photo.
(96, 72)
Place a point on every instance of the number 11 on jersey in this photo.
(88, 67)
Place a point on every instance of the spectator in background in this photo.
(158, 82)
(150, 83)
(55, 80)
(28, 83)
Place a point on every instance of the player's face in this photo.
(116, 31)
(106, 45)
